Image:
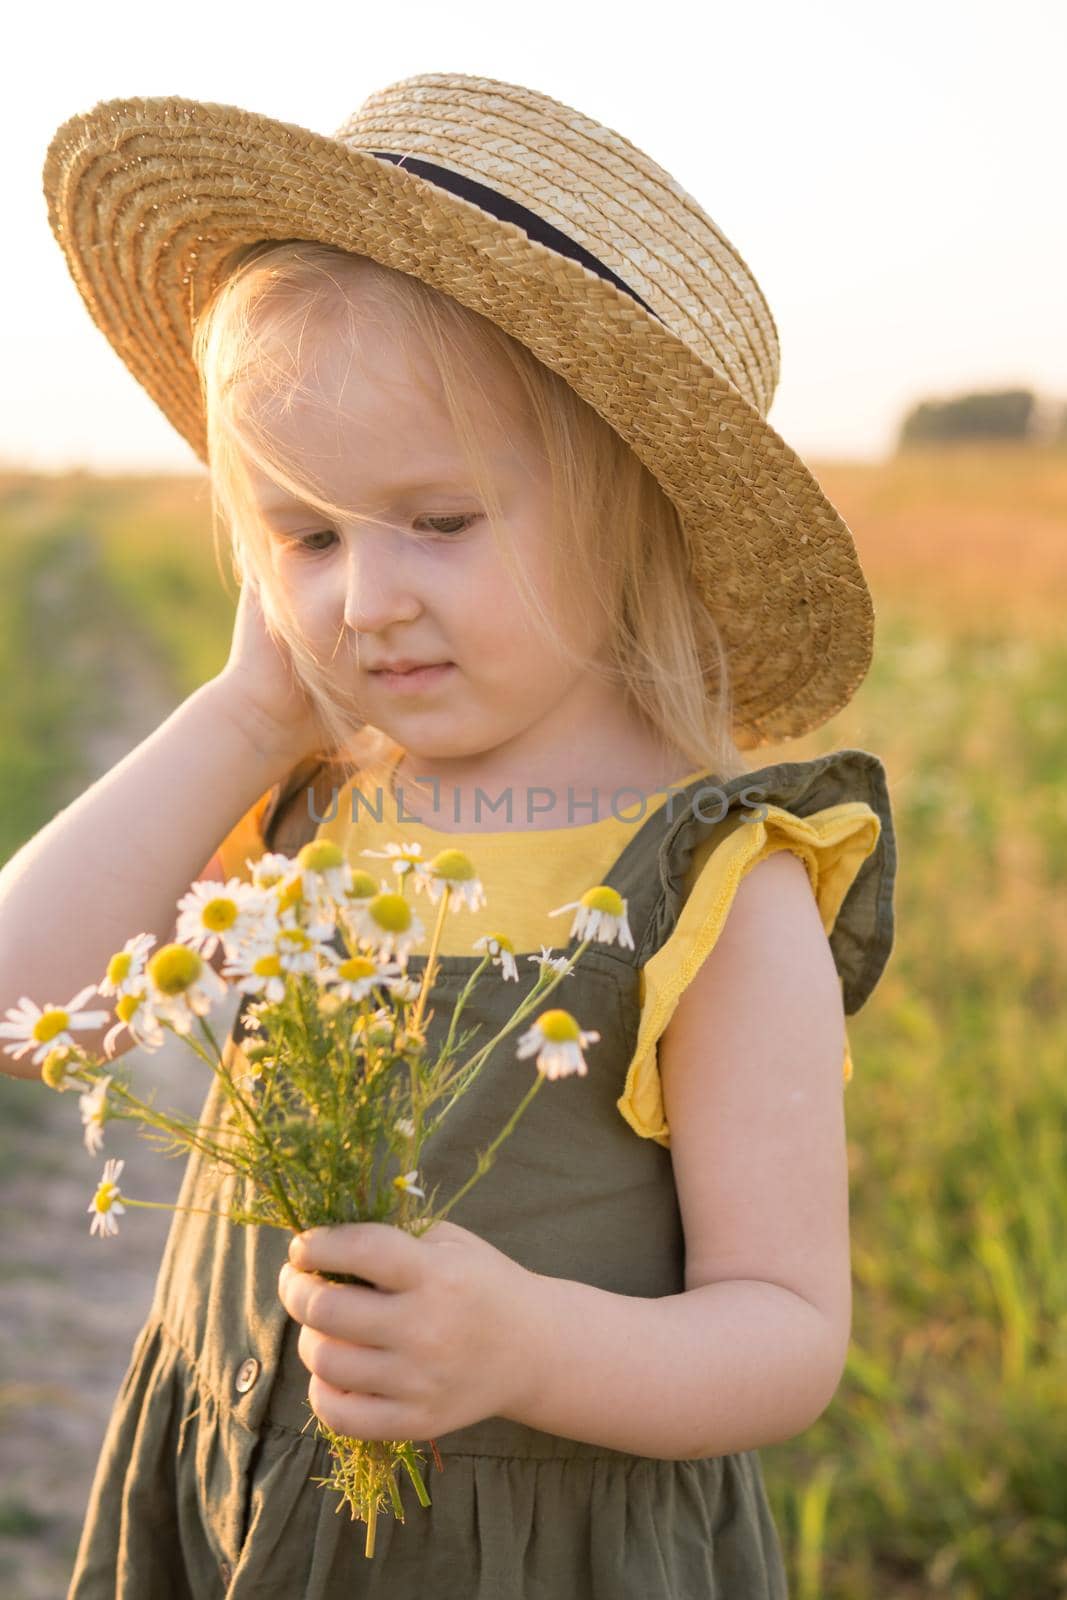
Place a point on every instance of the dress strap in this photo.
(651, 872)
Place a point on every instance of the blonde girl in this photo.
(483, 393)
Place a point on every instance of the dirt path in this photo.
(72, 1303)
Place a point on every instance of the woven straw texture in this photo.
(149, 199)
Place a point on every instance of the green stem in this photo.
(462, 1001)
(533, 999)
(160, 1205)
(428, 975)
(142, 1112)
(488, 1155)
(276, 1180)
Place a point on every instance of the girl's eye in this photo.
(452, 516)
(303, 542)
(315, 549)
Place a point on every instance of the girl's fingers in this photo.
(364, 1416)
(386, 1255)
(354, 1369)
(341, 1310)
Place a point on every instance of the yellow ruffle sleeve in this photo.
(832, 843)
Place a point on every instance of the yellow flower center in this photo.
(127, 1005)
(105, 1196)
(54, 1066)
(604, 898)
(502, 941)
(364, 887)
(391, 912)
(49, 1023)
(454, 865)
(294, 939)
(118, 968)
(320, 855)
(219, 914)
(558, 1026)
(268, 966)
(357, 967)
(175, 968)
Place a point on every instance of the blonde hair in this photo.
(615, 537)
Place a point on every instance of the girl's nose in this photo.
(377, 592)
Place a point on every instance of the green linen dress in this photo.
(204, 1484)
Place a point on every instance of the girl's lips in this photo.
(413, 682)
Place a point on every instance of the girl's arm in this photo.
(115, 862)
(753, 1351)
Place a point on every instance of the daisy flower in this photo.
(281, 883)
(558, 1042)
(406, 858)
(324, 877)
(126, 967)
(271, 870)
(405, 988)
(54, 1068)
(599, 914)
(213, 914)
(502, 951)
(105, 1204)
(183, 986)
(258, 971)
(282, 948)
(406, 1184)
(355, 977)
(94, 1112)
(137, 1013)
(48, 1026)
(405, 1126)
(387, 924)
(557, 963)
(453, 871)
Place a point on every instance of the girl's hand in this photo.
(437, 1344)
(261, 682)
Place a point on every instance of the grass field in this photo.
(941, 1466)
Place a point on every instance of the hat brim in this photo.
(147, 197)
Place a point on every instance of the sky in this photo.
(891, 173)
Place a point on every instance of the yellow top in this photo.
(833, 844)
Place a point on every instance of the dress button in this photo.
(247, 1373)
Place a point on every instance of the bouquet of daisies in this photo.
(336, 1068)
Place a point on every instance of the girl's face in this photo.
(414, 574)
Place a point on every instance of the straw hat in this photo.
(557, 229)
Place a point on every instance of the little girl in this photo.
(525, 570)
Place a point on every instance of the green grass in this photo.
(99, 581)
